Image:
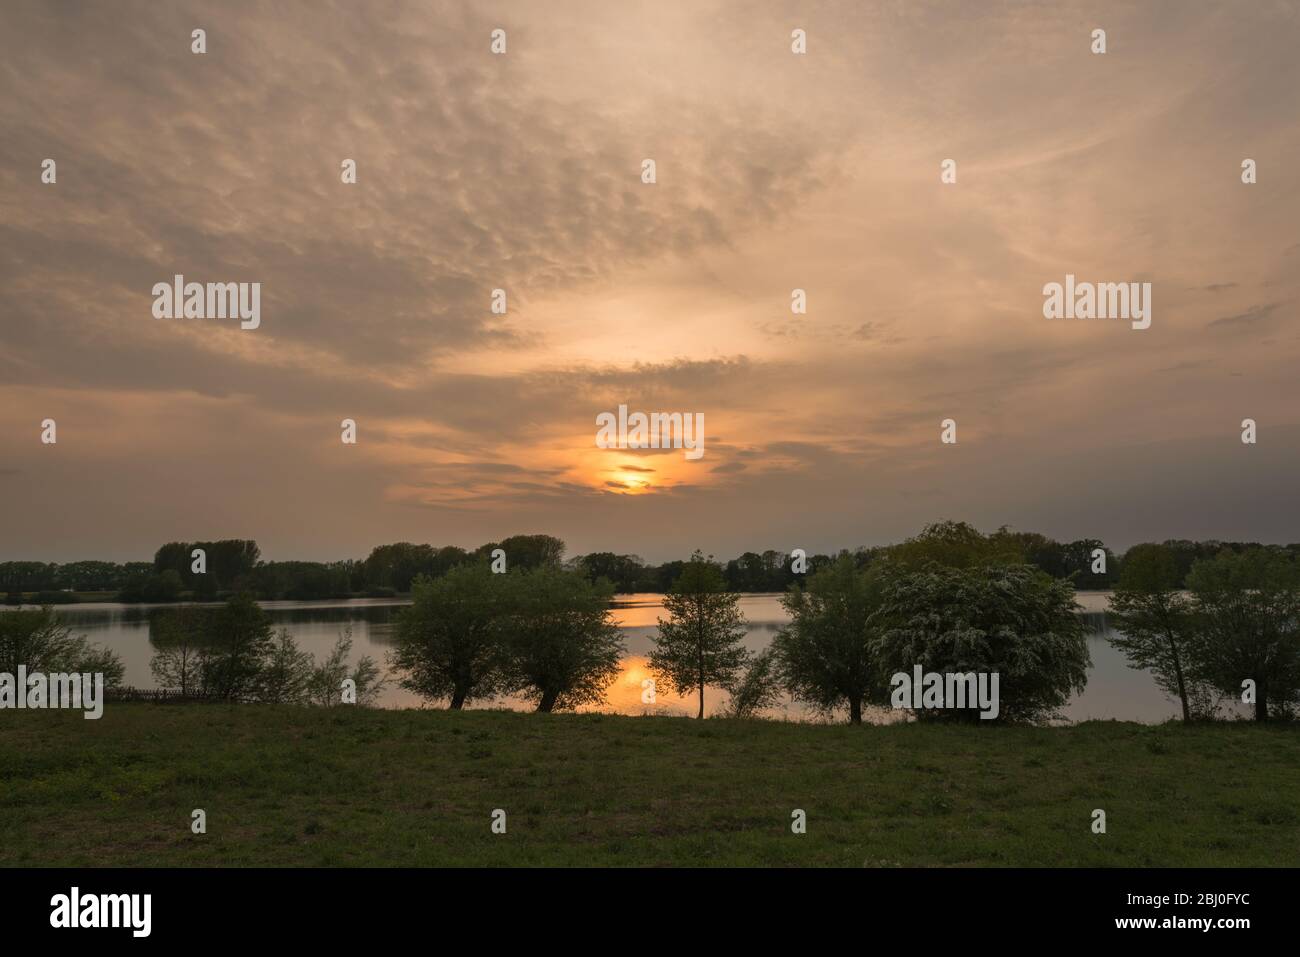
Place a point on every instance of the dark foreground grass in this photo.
(296, 786)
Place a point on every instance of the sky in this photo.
(523, 171)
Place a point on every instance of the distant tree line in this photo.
(50, 582)
(234, 566)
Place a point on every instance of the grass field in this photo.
(297, 786)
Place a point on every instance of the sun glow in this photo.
(633, 483)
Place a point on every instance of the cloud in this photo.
(1253, 314)
(522, 172)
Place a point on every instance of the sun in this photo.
(635, 483)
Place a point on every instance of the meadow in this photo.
(295, 786)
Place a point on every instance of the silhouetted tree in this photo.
(954, 545)
(449, 641)
(1154, 620)
(699, 644)
(823, 653)
(1247, 608)
(37, 639)
(561, 646)
(325, 685)
(179, 637)
(524, 552)
(757, 689)
(237, 647)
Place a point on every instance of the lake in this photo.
(1114, 690)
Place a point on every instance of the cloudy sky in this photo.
(522, 171)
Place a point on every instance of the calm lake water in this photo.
(1114, 690)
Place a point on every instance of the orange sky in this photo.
(522, 172)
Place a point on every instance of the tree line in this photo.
(949, 600)
(234, 566)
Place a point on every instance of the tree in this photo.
(1247, 611)
(174, 556)
(955, 545)
(525, 552)
(37, 640)
(19, 577)
(237, 647)
(163, 587)
(229, 564)
(1012, 620)
(90, 576)
(397, 566)
(303, 581)
(758, 689)
(823, 652)
(699, 644)
(668, 573)
(285, 676)
(1079, 562)
(625, 572)
(325, 686)
(449, 640)
(179, 638)
(1154, 621)
(562, 647)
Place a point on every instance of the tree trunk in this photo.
(1178, 672)
(701, 646)
(547, 702)
(458, 699)
(1261, 705)
(855, 711)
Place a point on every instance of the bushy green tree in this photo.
(526, 552)
(396, 566)
(1010, 619)
(38, 640)
(823, 653)
(449, 641)
(625, 572)
(700, 643)
(954, 545)
(1247, 609)
(561, 647)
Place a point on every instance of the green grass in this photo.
(296, 786)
